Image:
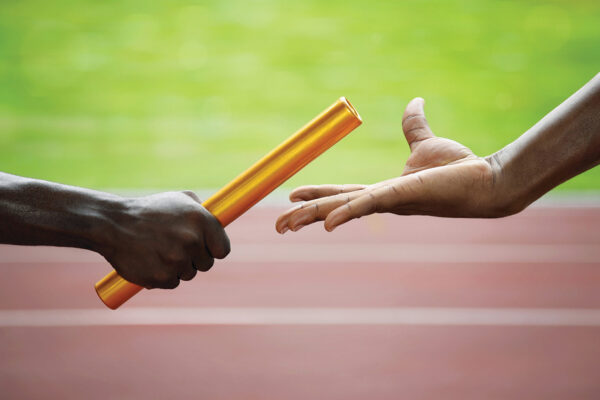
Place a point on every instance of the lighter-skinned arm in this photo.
(153, 241)
(444, 178)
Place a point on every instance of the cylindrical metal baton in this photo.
(258, 181)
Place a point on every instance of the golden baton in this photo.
(258, 181)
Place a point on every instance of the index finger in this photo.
(311, 192)
(216, 239)
(312, 211)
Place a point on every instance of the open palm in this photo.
(441, 177)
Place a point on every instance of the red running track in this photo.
(383, 308)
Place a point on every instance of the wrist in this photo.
(106, 217)
(38, 212)
(508, 197)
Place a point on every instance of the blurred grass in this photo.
(172, 94)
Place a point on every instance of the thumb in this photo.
(414, 123)
(193, 195)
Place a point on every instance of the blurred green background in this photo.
(173, 94)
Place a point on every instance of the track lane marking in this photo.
(301, 316)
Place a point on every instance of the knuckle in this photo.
(175, 257)
(189, 237)
(161, 276)
(373, 203)
(191, 194)
(206, 264)
(165, 280)
(195, 214)
(414, 123)
(172, 284)
(222, 249)
(188, 275)
(316, 211)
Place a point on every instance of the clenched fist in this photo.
(158, 240)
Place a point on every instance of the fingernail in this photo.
(284, 229)
(331, 225)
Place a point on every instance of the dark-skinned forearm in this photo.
(565, 143)
(35, 212)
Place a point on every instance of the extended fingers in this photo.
(402, 195)
(383, 198)
(306, 193)
(312, 211)
(367, 203)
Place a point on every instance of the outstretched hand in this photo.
(441, 177)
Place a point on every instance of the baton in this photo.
(257, 181)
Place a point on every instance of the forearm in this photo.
(565, 143)
(34, 212)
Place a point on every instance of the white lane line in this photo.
(301, 316)
(351, 252)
